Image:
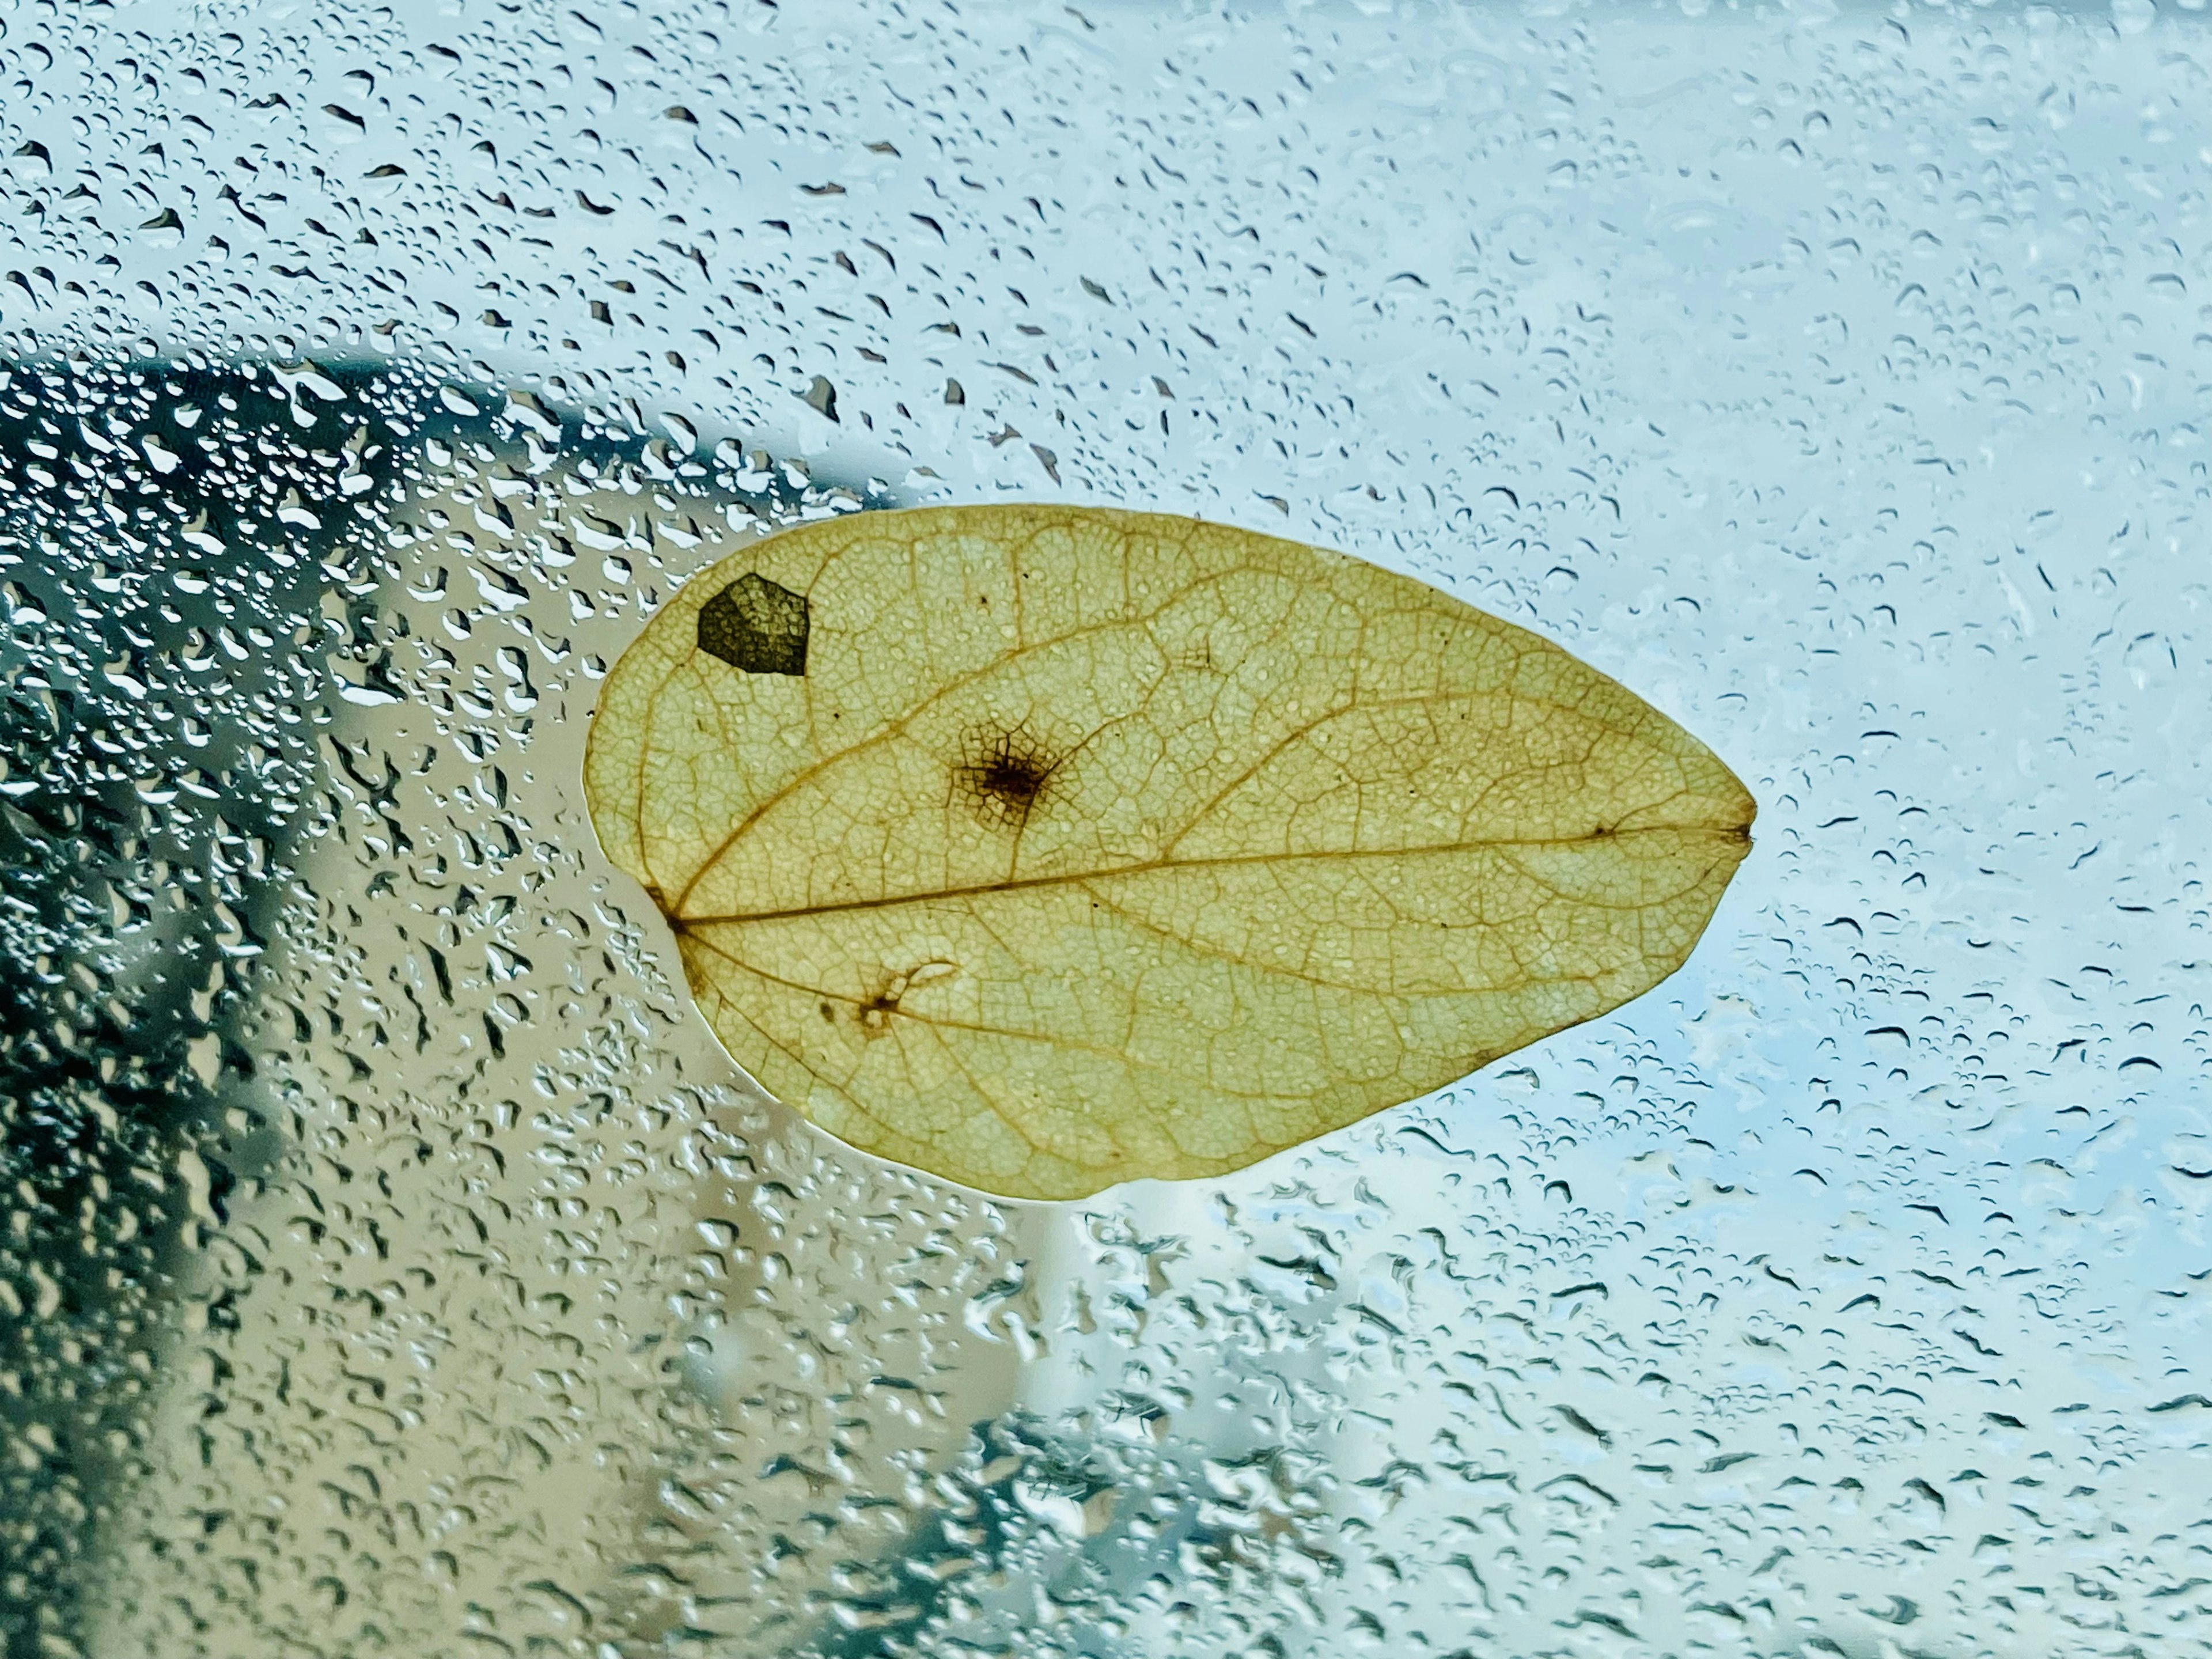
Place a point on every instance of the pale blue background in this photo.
(1835, 378)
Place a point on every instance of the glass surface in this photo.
(392, 1261)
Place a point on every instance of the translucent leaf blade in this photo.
(1044, 849)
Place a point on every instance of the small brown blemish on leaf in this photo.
(757, 626)
(875, 1014)
(1006, 774)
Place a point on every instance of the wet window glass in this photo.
(394, 1261)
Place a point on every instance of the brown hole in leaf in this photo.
(755, 625)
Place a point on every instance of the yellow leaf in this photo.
(1045, 848)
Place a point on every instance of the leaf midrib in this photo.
(1178, 866)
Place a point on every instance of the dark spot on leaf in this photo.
(875, 1014)
(1007, 772)
(757, 626)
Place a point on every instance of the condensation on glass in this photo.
(392, 1262)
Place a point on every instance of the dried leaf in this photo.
(1044, 848)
